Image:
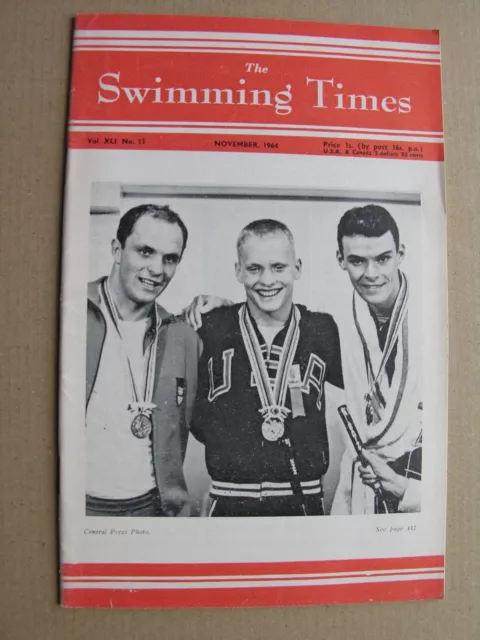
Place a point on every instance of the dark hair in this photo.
(129, 220)
(263, 228)
(372, 221)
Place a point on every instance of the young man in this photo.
(260, 408)
(382, 369)
(381, 358)
(141, 374)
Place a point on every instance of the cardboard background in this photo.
(34, 63)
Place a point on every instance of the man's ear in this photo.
(298, 269)
(401, 253)
(116, 250)
(238, 272)
(341, 260)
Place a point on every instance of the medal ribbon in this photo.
(142, 405)
(270, 399)
(274, 401)
(396, 319)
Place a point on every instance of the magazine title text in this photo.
(326, 93)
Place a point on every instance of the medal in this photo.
(141, 406)
(273, 409)
(374, 400)
(141, 426)
(273, 430)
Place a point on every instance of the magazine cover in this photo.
(254, 330)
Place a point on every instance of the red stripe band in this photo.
(251, 568)
(257, 143)
(255, 597)
(95, 22)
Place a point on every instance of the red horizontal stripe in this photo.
(126, 22)
(250, 568)
(248, 125)
(254, 597)
(257, 50)
(80, 39)
(206, 142)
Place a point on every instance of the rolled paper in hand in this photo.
(358, 446)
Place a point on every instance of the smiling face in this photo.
(268, 268)
(148, 260)
(372, 264)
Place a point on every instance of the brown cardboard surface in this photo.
(34, 64)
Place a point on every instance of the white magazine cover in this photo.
(254, 327)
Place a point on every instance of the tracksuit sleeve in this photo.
(197, 421)
(334, 372)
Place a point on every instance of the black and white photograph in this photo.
(253, 352)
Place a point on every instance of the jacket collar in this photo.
(93, 296)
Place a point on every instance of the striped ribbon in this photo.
(396, 319)
(142, 403)
(272, 401)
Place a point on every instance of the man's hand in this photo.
(379, 470)
(200, 305)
